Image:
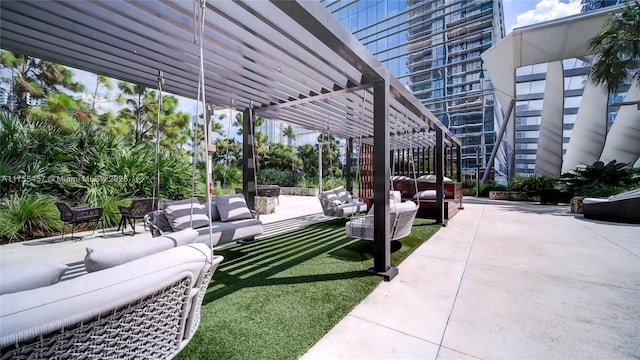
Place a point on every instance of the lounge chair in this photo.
(401, 216)
(137, 210)
(338, 202)
(624, 207)
(79, 214)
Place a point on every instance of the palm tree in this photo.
(289, 133)
(617, 50)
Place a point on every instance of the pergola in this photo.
(285, 60)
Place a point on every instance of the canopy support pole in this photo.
(381, 183)
(248, 156)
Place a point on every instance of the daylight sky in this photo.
(517, 13)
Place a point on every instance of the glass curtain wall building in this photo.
(531, 85)
(434, 47)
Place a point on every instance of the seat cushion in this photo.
(212, 211)
(229, 231)
(27, 276)
(232, 207)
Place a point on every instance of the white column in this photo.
(623, 140)
(549, 153)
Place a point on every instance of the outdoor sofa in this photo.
(624, 207)
(139, 300)
(339, 202)
(230, 219)
(423, 192)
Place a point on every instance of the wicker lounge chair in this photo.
(401, 217)
(137, 210)
(79, 214)
(624, 207)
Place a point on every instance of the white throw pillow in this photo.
(432, 178)
(232, 207)
(20, 277)
(183, 216)
(342, 194)
(426, 195)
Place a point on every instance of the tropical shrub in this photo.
(532, 183)
(28, 216)
(229, 175)
(332, 183)
(277, 177)
(490, 186)
(600, 179)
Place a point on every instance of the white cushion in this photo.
(625, 195)
(432, 178)
(27, 276)
(106, 256)
(427, 195)
(342, 194)
(395, 195)
(190, 215)
(329, 195)
(232, 207)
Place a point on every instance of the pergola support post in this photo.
(439, 170)
(349, 161)
(248, 164)
(381, 183)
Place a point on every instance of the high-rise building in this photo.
(533, 146)
(434, 47)
(590, 5)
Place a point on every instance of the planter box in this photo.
(576, 204)
(510, 195)
(298, 191)
(265, 204)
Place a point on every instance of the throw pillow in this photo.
(432, 178)
(342, 194)
(426, 195)
(103, 257)
(329, 195)
(212, 211)
(232, 207)
(186, 215)
(20, 277)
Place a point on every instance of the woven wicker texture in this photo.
(150, 328)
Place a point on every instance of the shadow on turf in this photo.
(257, 264)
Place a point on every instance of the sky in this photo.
(517, 13)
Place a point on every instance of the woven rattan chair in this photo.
(401, 218)
(79, 214)
(137, 210)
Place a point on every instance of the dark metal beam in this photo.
(248, 164)
(381, 184)
(439, 167)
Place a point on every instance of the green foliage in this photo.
(306, 182)
(599, 179)
(276, 177)
(228, 175)
(332, 183)
(532, 183)
(468, 184)
(616, 49)
(27, 216)
(490, 186)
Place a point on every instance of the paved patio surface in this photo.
(509, 280)
(504, 280)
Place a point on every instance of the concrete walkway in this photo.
(505, 280)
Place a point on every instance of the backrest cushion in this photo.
(212, 211)
(342, 194)
(232, 207)
(106, 256)
(329, 195)
(186, 215)
(432, 178)
(27, 276)
(427, 195)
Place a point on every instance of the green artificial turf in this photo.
(275, 298)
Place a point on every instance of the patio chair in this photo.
(79, 214)
(137, 210)
(401, 217)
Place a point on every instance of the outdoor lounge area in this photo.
(542, 306)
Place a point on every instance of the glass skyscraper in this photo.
(434, 47)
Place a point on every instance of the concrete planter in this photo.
(298, 191)
(576, 204)
(512, 196)
(265, 204)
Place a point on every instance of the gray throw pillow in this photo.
(20, 277)
(232, 207)
(342, 194)
(186, 215)
(212, 211)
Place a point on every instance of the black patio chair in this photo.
(137, 210)
(79, 214)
